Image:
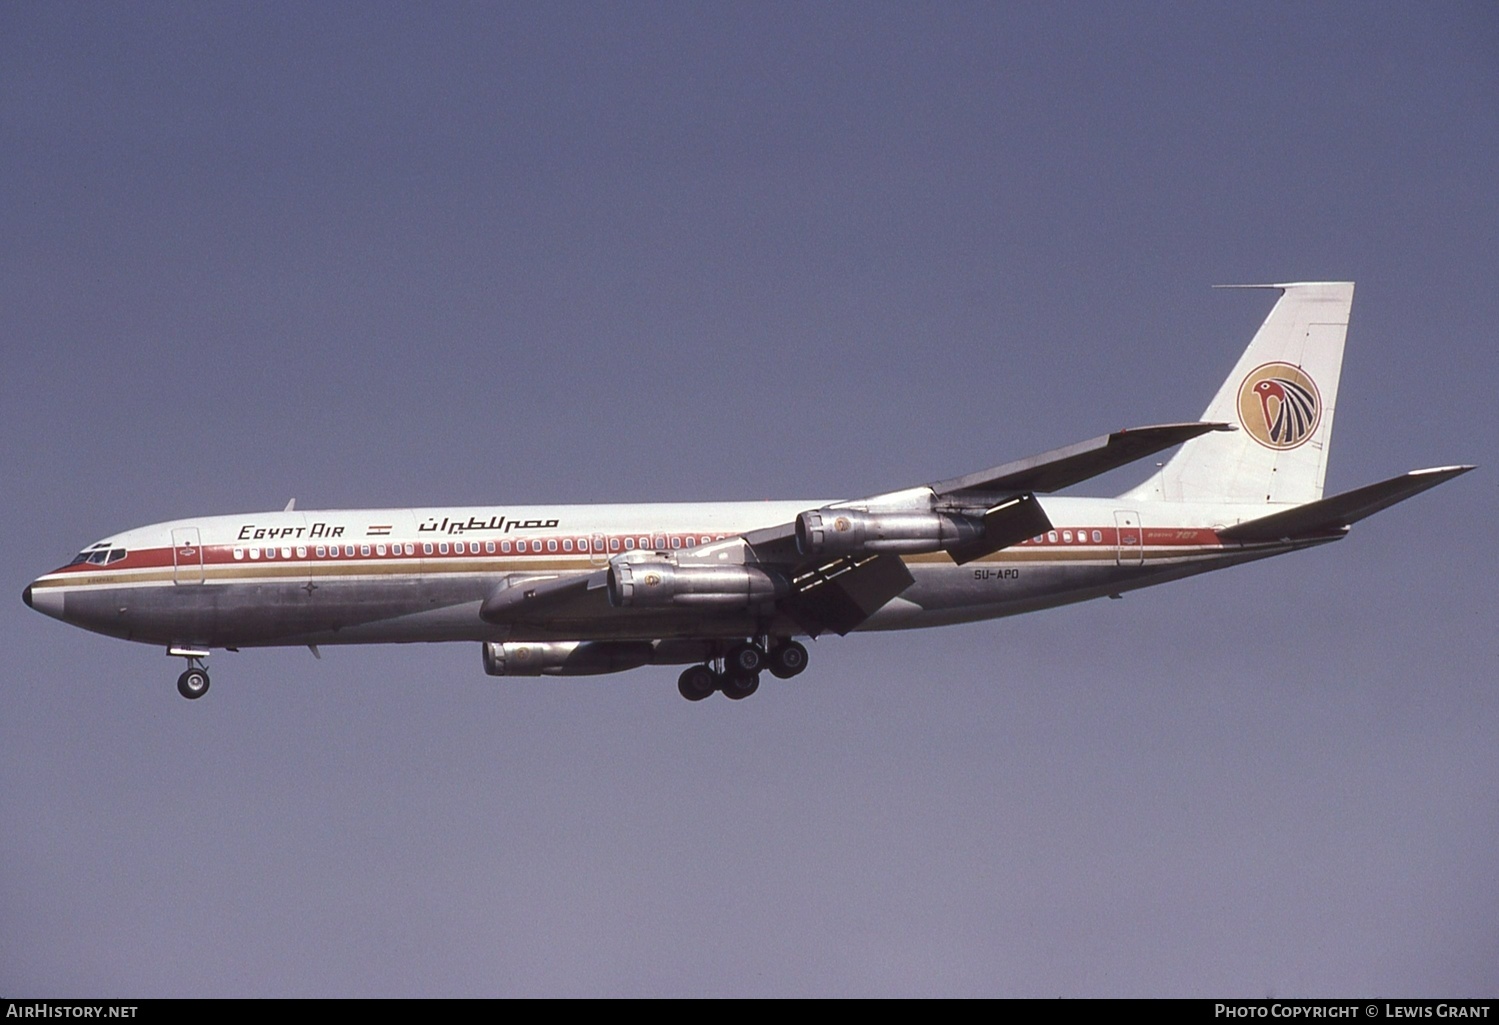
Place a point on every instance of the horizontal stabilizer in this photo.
(1338, 512)
(1063, 467)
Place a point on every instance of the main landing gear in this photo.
(192, 684)
(742, 664)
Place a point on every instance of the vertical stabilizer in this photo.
(1281, 396)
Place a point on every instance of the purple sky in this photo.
(381, 255)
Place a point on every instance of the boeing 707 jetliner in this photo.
(727, 588)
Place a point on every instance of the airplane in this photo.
(728, 589)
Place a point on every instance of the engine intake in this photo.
(851, 532)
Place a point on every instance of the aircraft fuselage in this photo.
(403, 575)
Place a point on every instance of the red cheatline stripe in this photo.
(145, 558)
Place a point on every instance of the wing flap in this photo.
(1013, 520)
(1333, 514)
(843, 594)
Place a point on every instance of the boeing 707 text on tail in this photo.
(728, 588)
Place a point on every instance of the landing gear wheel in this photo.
(740, 686)
(193, 684)
(788, 660)
(697, 682)
(745, 659)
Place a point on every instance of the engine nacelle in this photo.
(564, 658)
(852, 532)
(655, 584)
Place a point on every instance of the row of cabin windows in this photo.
(1067, 537)
(567, 545)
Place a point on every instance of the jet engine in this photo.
(565, 658)
(662, 583)
(852, 532)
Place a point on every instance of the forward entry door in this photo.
(187, 556)
(1131, 550)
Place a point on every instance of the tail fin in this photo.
(1281, 395)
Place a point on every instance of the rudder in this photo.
(1281, 395)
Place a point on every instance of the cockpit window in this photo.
(98, 555)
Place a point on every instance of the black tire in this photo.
(788, 659)
(697, 683)
(193, 684)
(745, 659)
(740, 686)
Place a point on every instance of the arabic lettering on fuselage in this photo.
(500, 523)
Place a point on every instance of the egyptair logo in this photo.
(1279, 405)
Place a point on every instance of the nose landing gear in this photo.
(193, 683)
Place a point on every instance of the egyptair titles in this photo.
(431, 525)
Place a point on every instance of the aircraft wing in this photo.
(989, 510)
(833, 568)
(1063, 467)
(1331, 515)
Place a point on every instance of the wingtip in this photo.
(1283, 285)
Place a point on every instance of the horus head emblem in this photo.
(1279, 405)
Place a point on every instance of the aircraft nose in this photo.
(45, 600)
